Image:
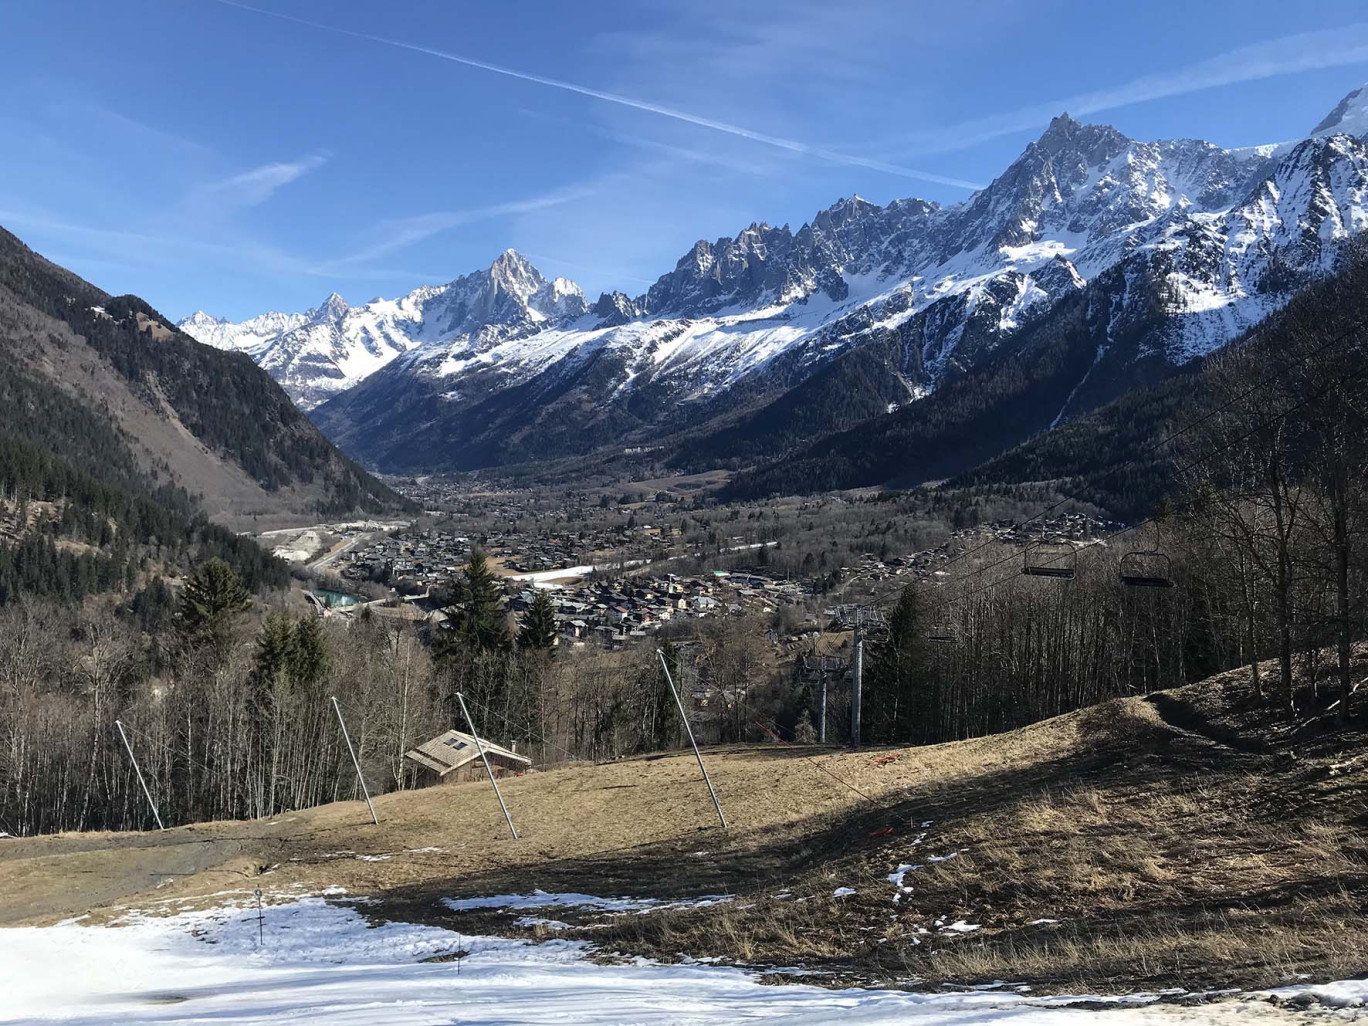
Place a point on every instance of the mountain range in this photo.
(1093, 264)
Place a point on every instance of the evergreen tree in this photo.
(538, 629)
(272, 658)
(211, 603)
(481, 623)
(309, 655)
(659, 726)
(895, 685)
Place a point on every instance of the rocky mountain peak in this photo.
(614, 308)
(1350, 116)
(330, 311)
(843, 212)
(1094, 144)
(512, 269)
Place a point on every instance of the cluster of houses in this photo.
(620, 610)
(421, 557)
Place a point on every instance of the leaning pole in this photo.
(689, 730)
(479, 746)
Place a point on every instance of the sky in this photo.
(239, 156)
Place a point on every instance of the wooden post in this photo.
(355, 762)
(479, 746)
(134, 760)
(689, 730)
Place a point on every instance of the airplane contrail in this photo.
(792, 145)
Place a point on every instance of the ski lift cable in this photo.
(1190, 464)
(759, 722)
(1152, 519)
(1147, 450)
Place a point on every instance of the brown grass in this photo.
(1175, 841)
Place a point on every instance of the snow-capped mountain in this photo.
(1173, 248)
(244, 335)
(334, 346)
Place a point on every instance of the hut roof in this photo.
(454, 749)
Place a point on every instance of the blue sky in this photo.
(240, 157)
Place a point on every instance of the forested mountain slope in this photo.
(120, 439)
(208, 420)
(1127, 454)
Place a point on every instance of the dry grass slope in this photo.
(1185, 838)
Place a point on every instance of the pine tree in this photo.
(482, 625)
(309, 654)
(659, 727)
(896, 688)
(538, 631)
(211, 603)
(272, 658)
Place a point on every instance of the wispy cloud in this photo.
(145, 248)
(765, 167)
(398, 233)
(543, 261)
(254, 187)
(1288, 55)
(792, 145)
(123, 248)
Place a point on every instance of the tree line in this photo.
(225, 698)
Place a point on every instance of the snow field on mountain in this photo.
(1182, 245)
(322, 963)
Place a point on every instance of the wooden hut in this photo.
(455, 756)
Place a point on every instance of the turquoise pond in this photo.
(337, 599)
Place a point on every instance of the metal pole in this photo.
(479, 746)
(689, 730)
(355, 762)
(821, 711)
(856, 687)
(134, 760)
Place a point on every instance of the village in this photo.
(620, 573)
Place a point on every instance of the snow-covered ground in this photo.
(321, 963)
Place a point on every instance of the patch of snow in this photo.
(843, 892)
(1341, 994)
(896, 877)
(324, 965)
(960, 926)
(551, 924)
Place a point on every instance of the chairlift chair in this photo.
(1146, 569)
(943, 634)
(875, 632)
(1057, 560)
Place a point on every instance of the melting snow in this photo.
(325, 965)
(960, 926)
